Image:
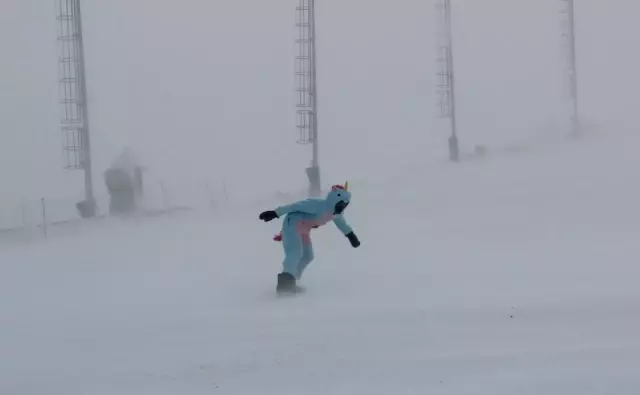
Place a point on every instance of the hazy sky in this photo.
(204, 90)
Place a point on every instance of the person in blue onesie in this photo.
(300, 218)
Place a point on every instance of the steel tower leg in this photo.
(306, 81)
(446, 83)
(73, 92)
(569, 37)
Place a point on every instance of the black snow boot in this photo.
(286, 283)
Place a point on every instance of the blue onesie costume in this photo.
(300, 218)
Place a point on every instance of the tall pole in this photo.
(306, 81)
(73, 98)
(446, 81)
(454, 155)
(571, 68)
(314, 80)
(86, 141)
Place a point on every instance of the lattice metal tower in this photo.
(306, 88)
(445, 85)
(73, 98)
(569, 44)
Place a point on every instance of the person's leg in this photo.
(292, 245)
(307, 257)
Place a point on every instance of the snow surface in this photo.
(517, 274)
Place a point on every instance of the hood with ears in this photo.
(339, 197)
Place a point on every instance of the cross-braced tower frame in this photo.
(306, 88)
(569, 44)
(445, 85)
(73, 98)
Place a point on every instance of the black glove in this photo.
(268, 215)
(353, 239)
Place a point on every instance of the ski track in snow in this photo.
(513, 275)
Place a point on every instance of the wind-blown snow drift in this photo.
(516, 275)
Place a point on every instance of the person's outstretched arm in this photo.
(346, 230)
(308, 206)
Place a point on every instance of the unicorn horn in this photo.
(346, 185)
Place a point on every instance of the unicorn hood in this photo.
(338, 198)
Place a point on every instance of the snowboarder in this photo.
(300, 218)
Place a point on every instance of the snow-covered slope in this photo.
(511, 275)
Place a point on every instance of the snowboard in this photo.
(298, 290)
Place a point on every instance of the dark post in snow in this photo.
(73, 99)
(306, 88)
(446, 85)
(569, 41)
(44, 216)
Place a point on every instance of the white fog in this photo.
(506, 273)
